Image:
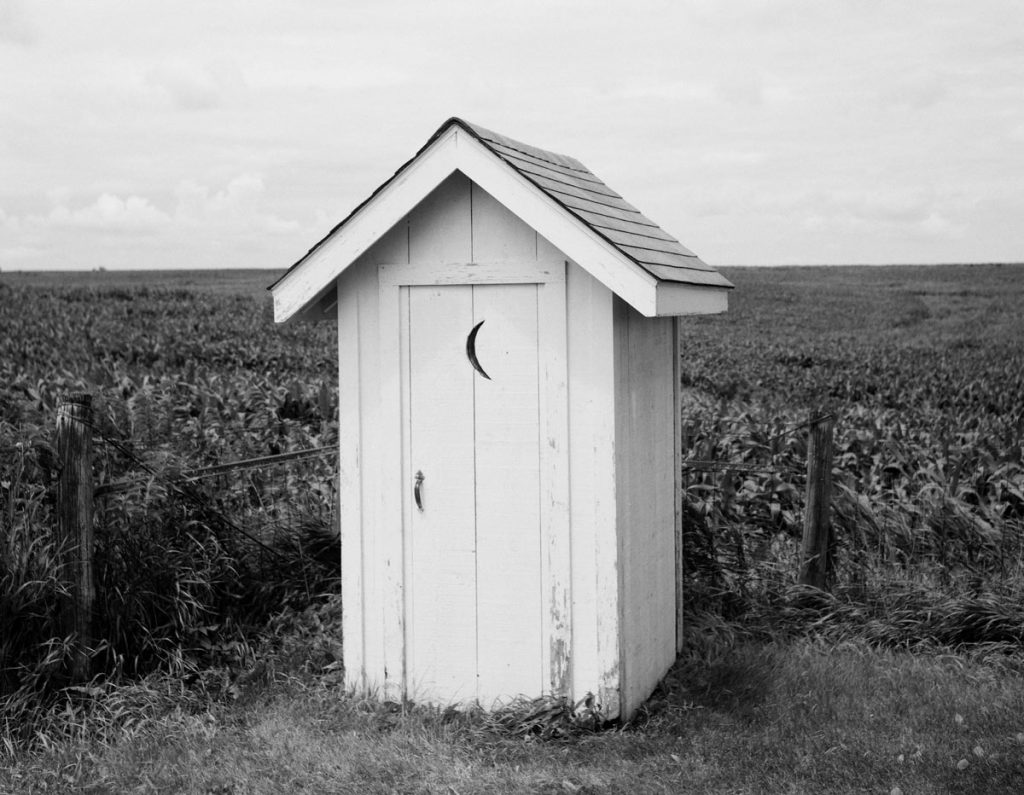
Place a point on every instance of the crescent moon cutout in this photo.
(471, 350)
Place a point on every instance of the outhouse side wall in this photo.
(646, 431)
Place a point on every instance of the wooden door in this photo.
(474, 623)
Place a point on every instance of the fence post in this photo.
(817, 529)
(74, 524)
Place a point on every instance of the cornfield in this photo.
(922, 367)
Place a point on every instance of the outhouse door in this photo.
(481, 464)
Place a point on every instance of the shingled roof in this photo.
(574, 186)
(566, 188)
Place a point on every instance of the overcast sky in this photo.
(236, 134)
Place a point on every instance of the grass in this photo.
(798, 715)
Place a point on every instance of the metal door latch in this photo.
(417, 491)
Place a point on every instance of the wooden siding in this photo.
(609, 599)
(440, 227)
(440, 577)
(462, 235)
(359, 414)
(645, 456)
(508, 477)
(595, 583)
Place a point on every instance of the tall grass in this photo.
(176, 591)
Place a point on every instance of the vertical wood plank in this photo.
(556, 558)
(393, 247)
(624, 497)
(498, 234)
(350, 482)
(508, 492)
(600, 371)
(74, 523)
(547, 252)
(400, 490)
(384, 537)
(442, 664)
(583, 364)
(362, 405)
(391, 532)
(677, 439)
(440, 227)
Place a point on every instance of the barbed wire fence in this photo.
(729, 539)
(285, 497)
(267, 519)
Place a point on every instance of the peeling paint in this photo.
(609, 691)
(560, 666)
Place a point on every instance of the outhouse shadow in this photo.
(734, 681)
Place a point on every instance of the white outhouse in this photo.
(508, 406)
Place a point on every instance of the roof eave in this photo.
(337, 227)
(449, 150)
(366, 224)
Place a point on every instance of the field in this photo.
(924, 370)
(907, 673)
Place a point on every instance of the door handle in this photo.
(417, 490)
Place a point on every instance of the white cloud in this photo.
(196, 226)
(240, 199)
(132, 213)
(878, 214)
(238, 206)
(892, 206)
(938, 225)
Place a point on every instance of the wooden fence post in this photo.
(817, 528)
(74, 524)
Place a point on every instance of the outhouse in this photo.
(508, 409)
